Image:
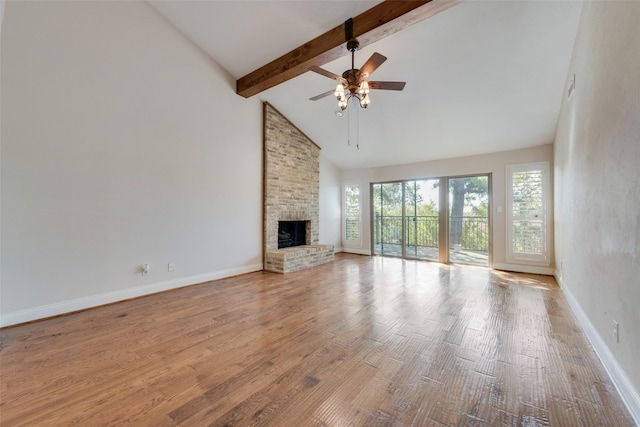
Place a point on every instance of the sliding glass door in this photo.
(440, 219)
(387, 218)
(422, 228)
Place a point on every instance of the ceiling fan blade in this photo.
(372, 63)
(326, 73)
(322, 95)
(387, 85)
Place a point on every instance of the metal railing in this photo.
(471, 232)
(422, 231)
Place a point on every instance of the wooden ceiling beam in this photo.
(380, 21)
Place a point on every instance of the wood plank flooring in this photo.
(362, 341)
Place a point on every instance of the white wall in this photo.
(597, 188)
(2, 3)
(122, 144)
(330, 208)
(494, 163)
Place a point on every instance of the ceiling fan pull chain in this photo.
(348, 128)
(358, 129)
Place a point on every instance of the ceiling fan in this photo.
(353, 83)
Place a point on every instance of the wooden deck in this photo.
(362, 341)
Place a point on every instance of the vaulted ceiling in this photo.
(482, 76)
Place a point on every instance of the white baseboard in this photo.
(628, 393)
(56, 309)
(524, 268)
(558, 277)
(337, 249)
(357, 251)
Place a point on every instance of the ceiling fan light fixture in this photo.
(339, 93)
(365, 101)
(363, 89)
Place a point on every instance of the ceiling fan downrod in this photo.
(352, 46)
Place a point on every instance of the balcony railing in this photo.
(470, 232)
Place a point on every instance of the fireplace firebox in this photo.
(292, 233)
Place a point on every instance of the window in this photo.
(352, 213)
(527, 204)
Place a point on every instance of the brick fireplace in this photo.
(291, 193)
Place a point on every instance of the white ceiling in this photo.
(483, 76)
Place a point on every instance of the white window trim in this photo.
(520, 258)
(351, 243)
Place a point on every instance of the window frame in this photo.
(543, 259)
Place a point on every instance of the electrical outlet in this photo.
(146, 270)
(616, 331)
(171, 266)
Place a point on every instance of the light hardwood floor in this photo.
(361, 341)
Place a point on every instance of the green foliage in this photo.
(480, 210)
(352, 200)
(527, 193)
(387, 199)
